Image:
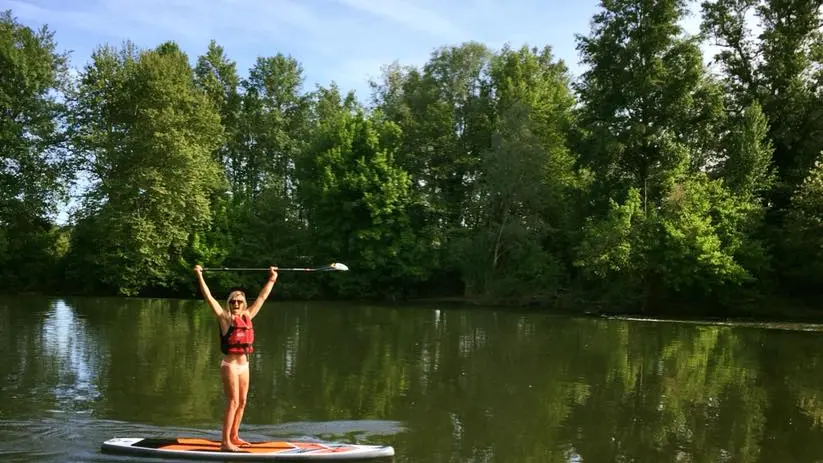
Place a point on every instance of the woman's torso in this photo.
(237, 338)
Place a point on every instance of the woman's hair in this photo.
(231, 295)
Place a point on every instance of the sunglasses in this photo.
(237, 301)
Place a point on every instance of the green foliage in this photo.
(747, 166)
(695, 246)
(272, 120)
(443, 110)
(777, 69)
(34, 168)
(30, 255)
(149, 135)
(217, 76)
(639, 95)
(653, 115)
(359, 199)
(265, 118)
(803, 232)
(520, 201)
(611, 250)
(479, 174)
(699, 239)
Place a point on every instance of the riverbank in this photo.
(764, 310)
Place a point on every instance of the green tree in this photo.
(747, 166)
(610, 252)
(33, 178)
(35, 169)
(779, 69)
(502, 255)
(264, 216)
(443, 110)
(216, 75)
(637, 93)
(649, 112)
(356, 199)
(512, 248)
(149, 134)
(272, 120)
(804, 233)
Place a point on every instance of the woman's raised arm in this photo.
(264, 293)
(204, 289)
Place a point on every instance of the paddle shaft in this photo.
(245, 269)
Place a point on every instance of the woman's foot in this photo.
(224, 447)
(240, 442)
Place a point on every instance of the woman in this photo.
(236, 342)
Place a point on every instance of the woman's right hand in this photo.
(198, 270)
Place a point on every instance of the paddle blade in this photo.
(338, 266)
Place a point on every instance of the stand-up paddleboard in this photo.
(205, 449)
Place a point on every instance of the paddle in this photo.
(334, 267)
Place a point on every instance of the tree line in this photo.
(651, 179)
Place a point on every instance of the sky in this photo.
(345, 41)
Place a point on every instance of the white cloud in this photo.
(28, 11)
(409, 15)
(173, 19)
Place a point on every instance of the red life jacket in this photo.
(240, 336)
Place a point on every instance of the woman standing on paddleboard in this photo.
(236, 342)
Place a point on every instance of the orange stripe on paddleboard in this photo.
(212, 443)
(195, 444)
(211, 448)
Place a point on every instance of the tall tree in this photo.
(357, 197)
(35, 169)
(264, 214)
(649, 108)
(520, 201)
(639, 86)
(216, 75)
(456, 76)
(149, 134)
(779, 69)
(443, 111)
(32, 181)
(270, 136)
(803, 237)
(747, 165)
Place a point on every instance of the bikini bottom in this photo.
(236, 368)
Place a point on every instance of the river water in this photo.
(440, 384)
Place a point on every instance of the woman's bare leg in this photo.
(232, 390)
(243, 392)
